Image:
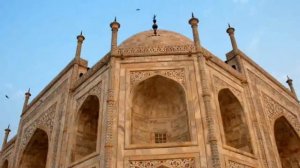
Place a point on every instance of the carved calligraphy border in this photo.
(234, 164)
(146, 51)
(170, 163)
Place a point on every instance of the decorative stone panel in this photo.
(221, 84)
(274, 110)
(294, 121)
(45, 121)
(96, 90)
(110, 116)
(169, 163)
(175, 74)
(267, 88)
(234, 164)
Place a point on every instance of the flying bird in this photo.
(6, 97)
(138, 9)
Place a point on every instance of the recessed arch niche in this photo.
(5, 164)
(162, 166)
(288, 143)
(159, 111)
(36, 151)
(234, 124)
(86, 128)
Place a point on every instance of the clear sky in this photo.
(38, 37)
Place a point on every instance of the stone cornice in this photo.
(101, 63)
(261, 70)
(82, 62)
(217, 61)
(9, 143)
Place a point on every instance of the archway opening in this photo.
(87, 126)
(234, 124)
(288, 143)
(162, 166)
(159, 112)
(5, 164)
(36, 151)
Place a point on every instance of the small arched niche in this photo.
(288, 143)
(5, 164)
(36, 151)
(162, 166)
(235, 128)
(86, 128)
(159, 112)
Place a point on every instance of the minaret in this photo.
(230, 31)
(27, 96)
(290, 83)
(207, 98)
(114, 37)
(7, 131)
(194, 24)
(80, 39)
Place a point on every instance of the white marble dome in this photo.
(163, 38)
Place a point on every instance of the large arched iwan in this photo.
(288, 143)
(5, 164)
(235, 128)
(36, 151)
(86, 128)
(159, 112)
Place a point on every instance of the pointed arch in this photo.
(159, 112)
(288, 143)
(86, 128)
(162, 166)
(5, 164)
(235, 128)
(36, 152)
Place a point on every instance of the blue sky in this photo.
(38, 38)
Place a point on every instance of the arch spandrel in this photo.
(162, 166)
(44, 122)
(95, 91)
(178, 75)
(291, 119)
(274, 111)
(221, 84)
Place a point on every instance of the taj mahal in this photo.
(159, 100)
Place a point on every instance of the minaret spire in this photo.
(206, 94)
(80, 39)
(194, 24)
(7, 131)
(154, 26)
(230, 30)
(115, 25)
(290, 83)
(27, 96)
